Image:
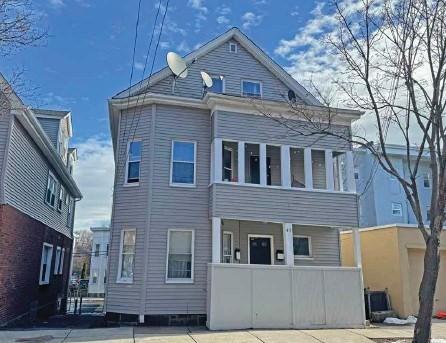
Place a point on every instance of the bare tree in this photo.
(82, 252)
(393, 56)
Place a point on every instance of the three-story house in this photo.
(220, 212)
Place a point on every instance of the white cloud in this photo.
(183, 47)
(222, 19)
(57, 3)
(139, 65)
(201, 12)
(251, 19)
(198, 5)
(94, 175)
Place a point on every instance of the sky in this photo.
(87, 58)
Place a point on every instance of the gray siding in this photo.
(26, 180)
(51, 128)
(260, 129)
(4, 132)
(170, 208)
(324, 240)
(234, 68)
(284, 205)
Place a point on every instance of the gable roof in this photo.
(250, 46)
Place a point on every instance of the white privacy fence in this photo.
(242, 296)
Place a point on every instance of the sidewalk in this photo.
(201, 335)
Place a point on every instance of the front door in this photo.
(259, 250)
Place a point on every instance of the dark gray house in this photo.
(216, 205)
(37, 203)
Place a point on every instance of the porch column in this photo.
(241, 162)
(329, 177)
(262, 156)
(308, 166)
(216, 239)
(285, 170)
(288, 244)
(218, 166)
(350, 167)
(357, 247)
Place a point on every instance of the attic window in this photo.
(233, 48)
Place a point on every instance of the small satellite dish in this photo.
(291, 96)
(206, 79)
(177, 65)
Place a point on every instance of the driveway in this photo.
(201, 335)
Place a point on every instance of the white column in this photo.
(357, 247)
(218, 164)
(262, 156)
(285, 169)
(241, 162)
(308, 166)
(350, 168)
(288, 244)
(329, 175)
(216, 239)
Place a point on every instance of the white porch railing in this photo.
(242, 296)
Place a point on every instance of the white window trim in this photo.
(429, 178)
(126, 183)
(176, 184)
(310, 249)
(57, 262)
(401, 209)
(60, 199)
(191, 280)
(271, 237)
(50, 174)
(120, 279)
(236, 47)
(232, 246)
(48, 270)
(232, 162)
(62, 257)
(252, 81)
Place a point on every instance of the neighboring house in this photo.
(392, 259)
(206, 187)
(98, 261)
(37, 201)
(382, 200)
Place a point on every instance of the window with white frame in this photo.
(227, 243)
(50, 196)
(183, 163)
(127, 255)
(57, 262)
(133, 162)
(302, 246)
(62, 257)
(252, 88)
(61, 199)
(233, 47)
(96, 249)
(180, 256)
(70, 212)
(218, 84)
(45, 264)
(397, 209)
(95, 276)
(427, 180)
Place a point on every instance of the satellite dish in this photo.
(206, 79)
(291, 96)
(177, 65)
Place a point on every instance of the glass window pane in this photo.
(301, 246)
(129, 242)
(183, 172)
(135, 151)
(133, 172)
(183, 151)
(180, 242)
(251, 88)
(127, 266)
(217, 85)
(180, 266)
(227, 249)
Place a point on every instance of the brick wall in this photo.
(21, 241)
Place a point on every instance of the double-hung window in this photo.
(302, 246)
(133, 169)
(50, 196)
(96, 250)
(427, 180)
(57, 262)
(127, 256)
(62, 256)
(252, 88)
(180, 256)
(183, 163)
(45, 264)
(61, 199)
(397, 209)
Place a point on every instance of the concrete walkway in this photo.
(201, 335)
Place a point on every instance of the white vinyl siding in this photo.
(127, 256)
(183, 163)
(180, 256)
(45, 264)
